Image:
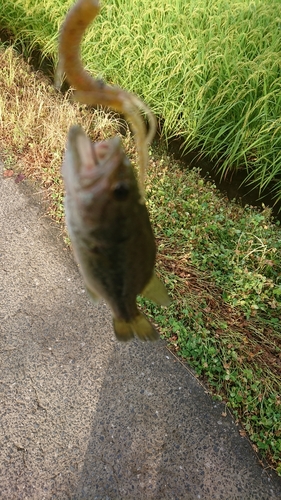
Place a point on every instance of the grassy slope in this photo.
(221, 263)
(211, 68)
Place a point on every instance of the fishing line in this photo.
(90, 91)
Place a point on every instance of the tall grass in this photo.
(210, 68)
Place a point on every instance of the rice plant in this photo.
(209, 68)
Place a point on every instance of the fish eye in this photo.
(121, 191)
(96, 250)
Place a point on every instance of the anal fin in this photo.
(156, 291)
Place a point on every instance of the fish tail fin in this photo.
(123, 330)
(143, 329)
(139, 327)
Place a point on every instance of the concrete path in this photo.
(85, 417)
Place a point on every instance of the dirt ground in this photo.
(85, 417)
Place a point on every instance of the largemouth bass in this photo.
(111, 234)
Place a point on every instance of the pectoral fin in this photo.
(156, 291)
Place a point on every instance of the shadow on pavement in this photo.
(156, 434)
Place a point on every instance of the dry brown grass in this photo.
(34, 121)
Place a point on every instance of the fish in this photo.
(110, 231)
(106, 215)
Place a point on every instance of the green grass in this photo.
(210, 68)
(222, 265)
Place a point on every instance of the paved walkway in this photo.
(85, 417)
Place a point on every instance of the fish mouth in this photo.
(97, 161)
